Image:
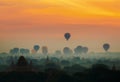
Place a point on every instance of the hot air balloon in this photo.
(36, 47)
(106, 46)
(67, 36)
(33, 51)
(44, 50)
(85, 50)
(67, 51)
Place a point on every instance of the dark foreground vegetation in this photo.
(95, 74)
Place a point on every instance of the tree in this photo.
(76, 59)
(58, 52)
(44, 50)
(100, 67)
(65, 62)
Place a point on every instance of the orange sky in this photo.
(24, 23)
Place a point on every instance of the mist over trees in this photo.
(66, 65)
(78, 50)
(69, 59)
(58, 52)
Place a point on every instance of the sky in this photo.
(24, 23)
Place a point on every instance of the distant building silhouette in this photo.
(47, 60)
(21, 66)
(114, 67)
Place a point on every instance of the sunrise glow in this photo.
(24, 23)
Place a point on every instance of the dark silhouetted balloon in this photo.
(36, 47)
(67, 36)
(106, 46)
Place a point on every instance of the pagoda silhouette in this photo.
(21, 66)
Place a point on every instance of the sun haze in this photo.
(24, 23)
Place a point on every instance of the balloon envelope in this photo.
(106, 47)
(67, 36)
(36, 47)
(85, 49)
